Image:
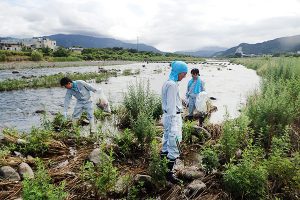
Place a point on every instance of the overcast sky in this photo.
(168, 25)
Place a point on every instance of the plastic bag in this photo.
(103, 103)
(200, 103)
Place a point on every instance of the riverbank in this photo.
(46, 64)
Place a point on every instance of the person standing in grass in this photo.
(81, 91)
(195, 86)
(172, 121)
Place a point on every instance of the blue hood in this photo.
(177, 68)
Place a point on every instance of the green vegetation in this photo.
(62, 54)
(157, 167)
(246, 180)
(125, 142)
(265, 132)
(36, 56)
(102, 176)
(235, 134)
(210, 159)
(128, 72)
(140, 98)
(187, 129)
(254, 156)
(41, 188)
(50, 81)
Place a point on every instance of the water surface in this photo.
(229, 84)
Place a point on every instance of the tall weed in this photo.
(140, 98)
(235, 134)
(103, 176)
(157, 167)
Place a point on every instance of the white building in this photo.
(14, 46)
(76, 49)
(34, 43)
(39, 42)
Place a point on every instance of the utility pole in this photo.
(137, 43)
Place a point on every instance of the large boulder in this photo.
(25, 170)
(95, 156)
(144, 181)
(9, 173)
(191, 173)
(120, 188)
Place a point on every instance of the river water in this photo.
(230, 84)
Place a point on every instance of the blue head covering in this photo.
(177, 68)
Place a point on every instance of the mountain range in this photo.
(84, 41)
(203, 52)
(278, 45)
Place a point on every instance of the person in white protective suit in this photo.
(172, 121)
(81, 91)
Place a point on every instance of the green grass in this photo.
(50, 81)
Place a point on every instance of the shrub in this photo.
(187, 129)
(283, 172)
(126, 72)
(210, 159)
(143, 128)
(246, 180)
(37, 142)
(65, 127)
(102, 176)
(135, 191)
(61, 52)
(41, 188)
(2, 57)
(99, 114)
(139, 98)
(36, 56)
(157, 167)
(125, 142)
(270, 111)
(235, 134)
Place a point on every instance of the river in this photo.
(230, 84)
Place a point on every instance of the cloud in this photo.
(169, 25)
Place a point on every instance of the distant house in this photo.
(33, 43)
(39, 42)
(12, 45)
(76, 49)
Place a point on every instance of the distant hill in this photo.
(95, 42)
(279, 45)
(204, 52)
(6, 38)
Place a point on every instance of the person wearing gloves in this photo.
(172, 121)
(195, 86)
(81, 91)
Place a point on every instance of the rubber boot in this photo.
(190, 117)
(201, 120)
(163, 155)
(170, 176)
(92, 127)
